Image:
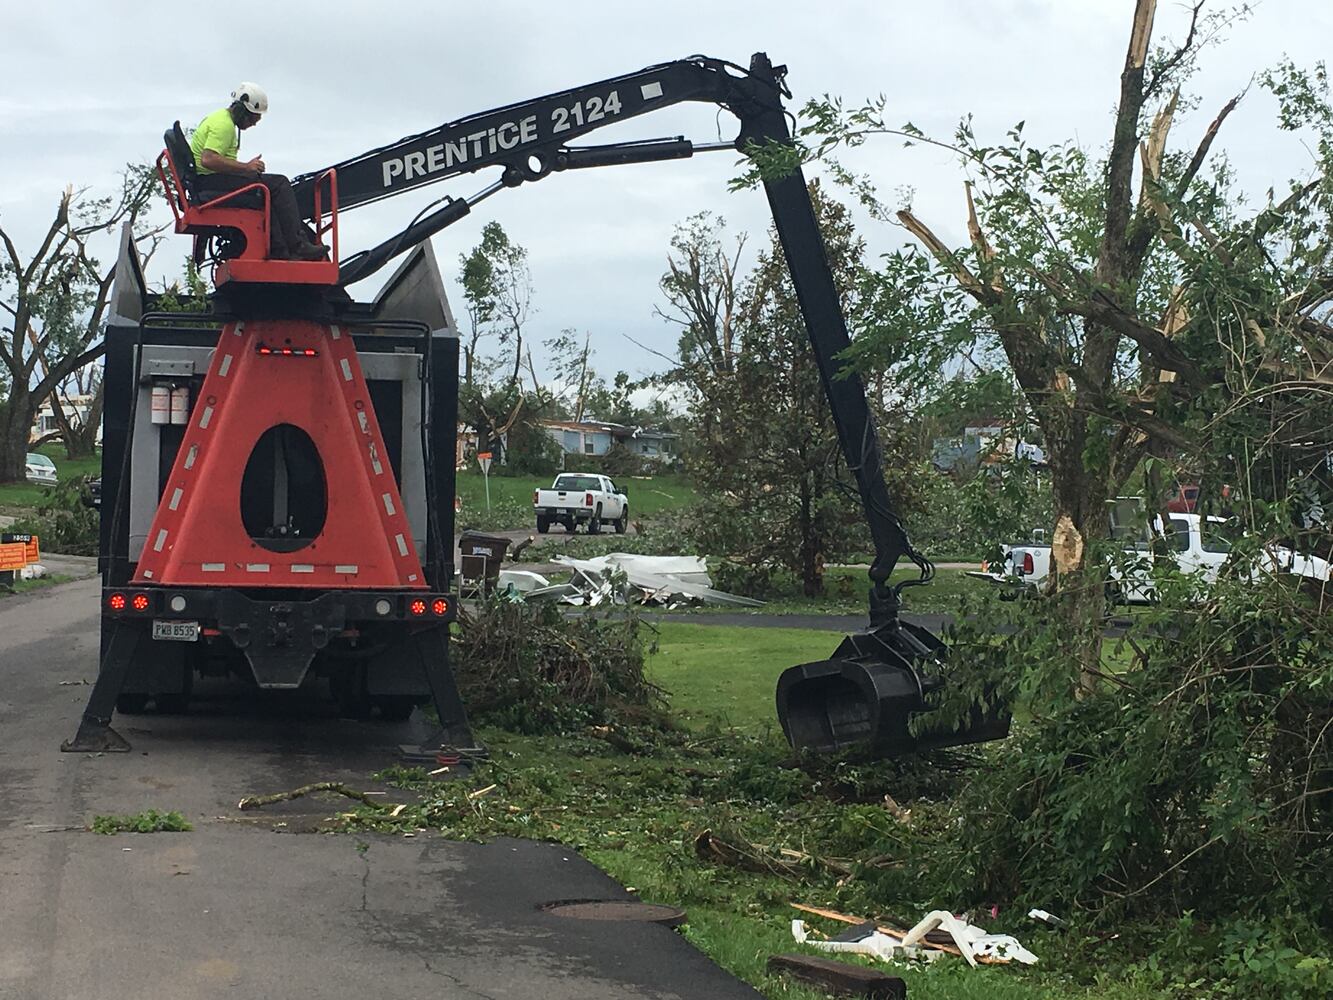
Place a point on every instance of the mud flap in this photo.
(868, 692)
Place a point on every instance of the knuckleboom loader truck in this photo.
(273, 505)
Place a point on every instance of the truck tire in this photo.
(131, 704)
(396, 708)
(543, 525)
(177, 702)
(622, 522)
(595, 522)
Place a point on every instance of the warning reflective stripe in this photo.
(650, 90)
(208, 415)
(191, 456)
(347, 370)
(176, 498)
(161, 540)
(375, 460)
(240, 328)
(364, 421)
(256, 567)
(402, 545)
(412, 578)
(214, 567)
(337, 334)
(345, 570)
(302, 568)
(148, 574)
(225, 366)
(388, 504)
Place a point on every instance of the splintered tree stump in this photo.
(840, 978)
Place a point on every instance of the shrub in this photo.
(64, 522)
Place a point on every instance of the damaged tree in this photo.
(1069, 283)
(764, 441)
(54, 302)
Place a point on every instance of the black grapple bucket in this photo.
(867, 692)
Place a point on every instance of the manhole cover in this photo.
(616, 909)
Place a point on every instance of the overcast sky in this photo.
(91, 85)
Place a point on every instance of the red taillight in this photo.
(140, 602)
(1028, 565)
(116, 602)
(418, 607)
(440, 606)
(534, 498)
(587, 499)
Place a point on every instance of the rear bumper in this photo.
(226, 604)
(565, 513)
(279, 637)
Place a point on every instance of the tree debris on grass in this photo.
(755, 858)
(258, 801)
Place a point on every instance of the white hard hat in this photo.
(252, 97)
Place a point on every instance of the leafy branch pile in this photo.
(63, 521)
(531, 669)
(148, 821)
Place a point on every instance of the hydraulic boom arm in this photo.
(878, 680)
(530, 140)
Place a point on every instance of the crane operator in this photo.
(216, 144)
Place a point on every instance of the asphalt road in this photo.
(255, 904)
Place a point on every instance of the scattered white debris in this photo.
(876, 944)
(623, 577)
(972, 941)
(521, 580)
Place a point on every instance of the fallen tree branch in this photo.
(257, 801)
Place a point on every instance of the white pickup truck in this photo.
(581, 498)
(1199, 547)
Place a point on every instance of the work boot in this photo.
(310, 251)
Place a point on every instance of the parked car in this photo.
(40, 469)
(1198, 546)
(581, 498)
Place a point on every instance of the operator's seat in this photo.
(241, 216)
(244, 212)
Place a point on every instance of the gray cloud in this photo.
(90, 86)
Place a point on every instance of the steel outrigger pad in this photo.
(867, 692)
(95, 736)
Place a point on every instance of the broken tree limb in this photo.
(973, 285)
(258, 801)
(754, 858)
(840, 978)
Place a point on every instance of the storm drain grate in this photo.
(616, 909)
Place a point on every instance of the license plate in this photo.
(176, 631)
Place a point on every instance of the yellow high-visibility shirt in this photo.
(218, 133)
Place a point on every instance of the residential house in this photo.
(76, 410)
(983, 443)
(597, 437)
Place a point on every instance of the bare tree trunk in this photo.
(81, 436)
(1082, 522)
(15, 424)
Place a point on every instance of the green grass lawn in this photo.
(729, 675)
(17, 498)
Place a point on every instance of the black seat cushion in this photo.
(178, 148)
